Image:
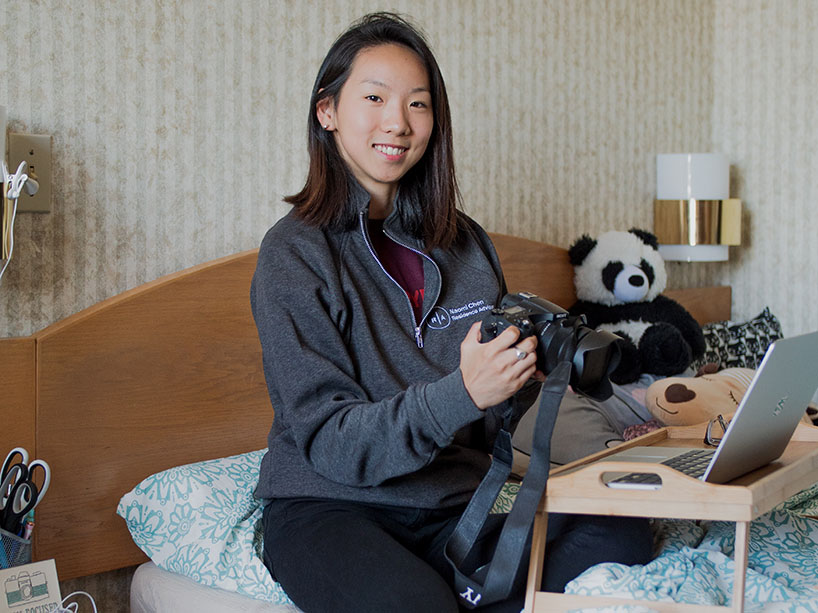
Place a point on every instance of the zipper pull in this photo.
(418, 338)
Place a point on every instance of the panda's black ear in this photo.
(646, 237)
(580, 249)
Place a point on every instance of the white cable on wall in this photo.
(13, 186)
(12, 205)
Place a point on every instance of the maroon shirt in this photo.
(403, 265)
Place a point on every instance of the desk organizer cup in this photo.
(14, 550)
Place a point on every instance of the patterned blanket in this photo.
(694, 562)
(202, 521)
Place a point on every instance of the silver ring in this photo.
(520, 354)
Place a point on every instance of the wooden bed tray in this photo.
(170, 373)
(578, 488)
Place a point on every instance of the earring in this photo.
(325, 126)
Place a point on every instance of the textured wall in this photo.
(765, 62)
(179, 125)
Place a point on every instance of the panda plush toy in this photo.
(619, 277)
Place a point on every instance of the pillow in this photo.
(202, 521)
(743, 345)
(584, 425)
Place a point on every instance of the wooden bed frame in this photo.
(170, 373)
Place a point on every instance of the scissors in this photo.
(19, 493)
(27, 472)
(17, 451)
(13, 510)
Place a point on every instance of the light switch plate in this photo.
(35, 149)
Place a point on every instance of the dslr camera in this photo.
(561, 337)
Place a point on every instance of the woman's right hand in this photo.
(492, 371)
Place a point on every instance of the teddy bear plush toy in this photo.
(689, 401)
(619, 277)
(686, 401)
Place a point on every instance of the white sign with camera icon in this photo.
(30, 588)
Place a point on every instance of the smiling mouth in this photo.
(665, 410)
(390, 150)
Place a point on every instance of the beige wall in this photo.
(765, 62)
(179, 125)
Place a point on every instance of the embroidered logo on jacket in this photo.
(443, 318)
(439, 318)
(469, 309)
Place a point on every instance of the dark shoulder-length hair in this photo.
(429, 189)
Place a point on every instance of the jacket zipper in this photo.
(418, 326)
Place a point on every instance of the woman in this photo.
(368, 298)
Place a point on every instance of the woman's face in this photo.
(382, 119)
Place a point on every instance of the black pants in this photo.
(337, 556)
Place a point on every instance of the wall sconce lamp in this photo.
(694, 218)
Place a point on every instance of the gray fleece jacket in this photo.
(369, 404)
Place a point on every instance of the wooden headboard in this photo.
(170, 373)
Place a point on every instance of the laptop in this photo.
(760, 430)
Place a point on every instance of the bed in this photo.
(160, 387)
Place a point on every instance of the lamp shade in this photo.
(694, 217)
(700, 176)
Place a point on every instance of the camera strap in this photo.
(495, 580)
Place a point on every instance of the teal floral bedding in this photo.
(694, 563)
(202, 521)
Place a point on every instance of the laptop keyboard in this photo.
(693, 463)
